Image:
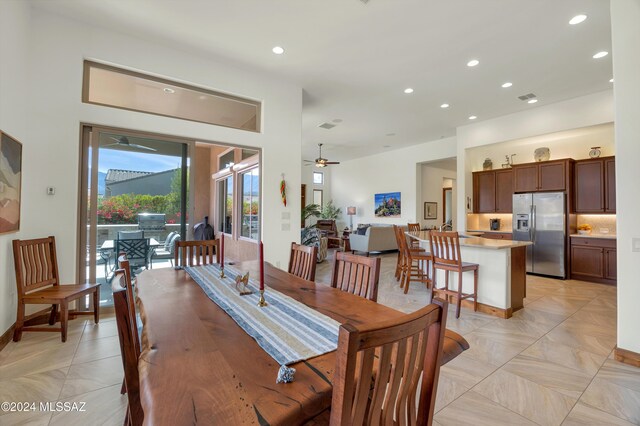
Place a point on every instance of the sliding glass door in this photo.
(133, 186)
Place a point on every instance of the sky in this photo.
(143, 162)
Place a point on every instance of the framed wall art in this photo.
(10, 183)
(430, 210)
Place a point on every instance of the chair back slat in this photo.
(126, 334)
(196, 253)
(399, 353)
(358, 275)
(35, 264)
(413, 227)
(302, 261)
(123, 264)
(445, 247)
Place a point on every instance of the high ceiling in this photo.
(354, 59)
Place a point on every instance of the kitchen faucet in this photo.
(446, 227)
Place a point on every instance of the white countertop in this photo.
(476, 241)
(602, 236)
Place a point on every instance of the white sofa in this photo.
(376, 238)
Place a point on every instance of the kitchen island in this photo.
(501, 274)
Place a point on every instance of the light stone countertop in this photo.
(476, 241)
(601, 236)
(499, 231)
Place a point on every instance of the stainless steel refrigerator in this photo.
(541, 218)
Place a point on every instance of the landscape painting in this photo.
(387, 204)
(10, 178)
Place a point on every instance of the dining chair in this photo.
(415, 262)
(130, 235)
(355, 274)
(195, 253)
(445, 248)
(381, 368)
(38, 282)
(137, 250)
(302, 261)
(130, 352)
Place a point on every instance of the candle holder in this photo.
(262, 303)
(222, 275)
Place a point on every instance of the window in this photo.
(226, 160)
(317, 197)
(250, 203)
(318, 178)
(225, 193)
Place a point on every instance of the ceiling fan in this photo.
(321, 162)
(123, 141)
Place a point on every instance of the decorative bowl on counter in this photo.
(584, 231)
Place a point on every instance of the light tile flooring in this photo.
(550, 364)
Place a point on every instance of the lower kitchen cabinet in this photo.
(593, 259)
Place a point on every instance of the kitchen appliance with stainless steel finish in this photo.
(540, 217)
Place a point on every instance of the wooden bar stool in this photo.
(445, 249)
(414, 228)
(415, 264)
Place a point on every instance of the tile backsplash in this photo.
(480, 221)
(600, 223)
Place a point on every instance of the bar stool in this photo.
(415, 262)
(414, 228)
(445, 249)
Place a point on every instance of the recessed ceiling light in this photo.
(278, 50)
(472, 117)
(507, 84)
(168, 90)
(611, 81)
(473, 63)
(202, 97)
(391, 134)
(532, 101)
(408, 90)
(444, 106)
(600, 55)
(386, 146)
(577, 19)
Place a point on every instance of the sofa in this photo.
(376, 237)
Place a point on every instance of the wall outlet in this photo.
(285, 226)
(51, 190)
(285, 215)
(603, 230)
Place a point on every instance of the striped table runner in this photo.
(286, 329)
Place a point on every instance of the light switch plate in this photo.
(635, 244)
(285, 215)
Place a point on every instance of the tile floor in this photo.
(550, 364)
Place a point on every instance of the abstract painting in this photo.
(10, 179)
(387, 204)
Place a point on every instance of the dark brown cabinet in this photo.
(595, 186)
(493, 191)
(497, 235)
(542, 176)
(593, 259)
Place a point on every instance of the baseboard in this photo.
(488, 309)
(7, 336)
(626, 356)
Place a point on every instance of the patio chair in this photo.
(165, 251)
(137, 251)
(130, 235)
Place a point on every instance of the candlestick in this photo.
(261, 266)
(262, 302)
(222, 256)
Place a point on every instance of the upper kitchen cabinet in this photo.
(542, 176)
(493, 191)
(595, 185)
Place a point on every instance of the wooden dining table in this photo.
(198, 366)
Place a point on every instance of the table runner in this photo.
(286, 329)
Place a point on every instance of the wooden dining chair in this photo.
(445, 248)
(38, 282)
(382, 367)
(195, 253)
(415, 262)
(302, 261)
(129, 343)
(355, 274)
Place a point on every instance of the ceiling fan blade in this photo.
(134, 145)
(331, 162)
(309, 161)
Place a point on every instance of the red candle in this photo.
(222, 250)
(261, 266)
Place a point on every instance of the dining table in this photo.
(198, 366)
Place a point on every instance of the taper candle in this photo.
(261, 266)
(222, 250)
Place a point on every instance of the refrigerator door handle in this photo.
(533, 223)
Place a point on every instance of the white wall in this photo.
(356, 181)
(57, 49)
(576, 113)
(14, 48)
(433, 180)
(625, 16)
